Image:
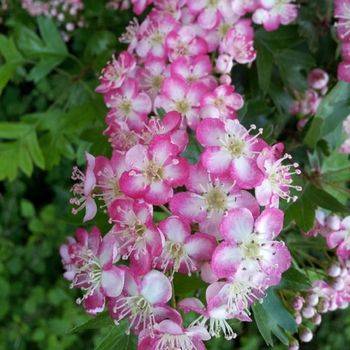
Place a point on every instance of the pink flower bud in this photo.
(318, 79)
(334, 270)
(312, 299)
(306, 335)
(298, 319)
(308, 312)
(298, 303)
(293, 345)
(317, 319)
(344, 71)
(225, 79)
(224, 64)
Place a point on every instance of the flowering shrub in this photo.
(211, 146)
(169, 90)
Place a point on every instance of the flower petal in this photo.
(112, 281)
(226, 259)
(270, 222)
(156, 287)
(237, 225)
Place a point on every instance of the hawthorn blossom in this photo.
(273, 13)
(130, 104)
(209, 12)
(222, 102)
(182, 97)
(170, 334)
(83, 189)
(153, 171)
(141, 299)
(88, 260)
(182, 250)
(153, 36)
(134, 228)
(120, 135)
(208, 199)
(193, 69)
(116, 71)
(229, 148)
(249, 256)
(107, 174)
(238, 43)
(185, 41)
(214, 316)
(278, 180)
(152, 75)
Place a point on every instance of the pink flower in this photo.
(107, 173)
(172, 335)
(169, 125)
(208, 199)
(154, 171)
(193, 69)
(214, 316)
(119, 134)
(83, 189)
(182, 97)
(130, 105)
(182, 250)
(222, 102)
(153, 75)
(185, 42)
(278, 178)
(154, 32)
(134, 228)
(238, 42)
(141, 300)
(209, 12)
(230, 148)
(241, 7)
(251, 245)
(273, 13)
(340, 239)
(116, 71)
(88, 260)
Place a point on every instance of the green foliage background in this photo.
(50, 115)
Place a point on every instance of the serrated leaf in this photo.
(97, 322)
(273, 318)
(294, 279)
(333, 109)
(264, 65)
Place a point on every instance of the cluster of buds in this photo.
(67, 13)
(324, 296)
(306, 104)
(220, 215)
(336, 231)
(342, 15)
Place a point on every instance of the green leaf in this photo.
(193, 150)
(333, 109)
(97, 322)
(186, 285)
(273, 318)
(302, 211)
(27, 209)
(117, 339)
(51, 36)
(294, 279)
(264, 65)
(324, 200)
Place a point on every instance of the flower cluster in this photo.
(342, 15)
(170, 90)
(67, 13)
(333, 291)
(306, 104)
(323, 296)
